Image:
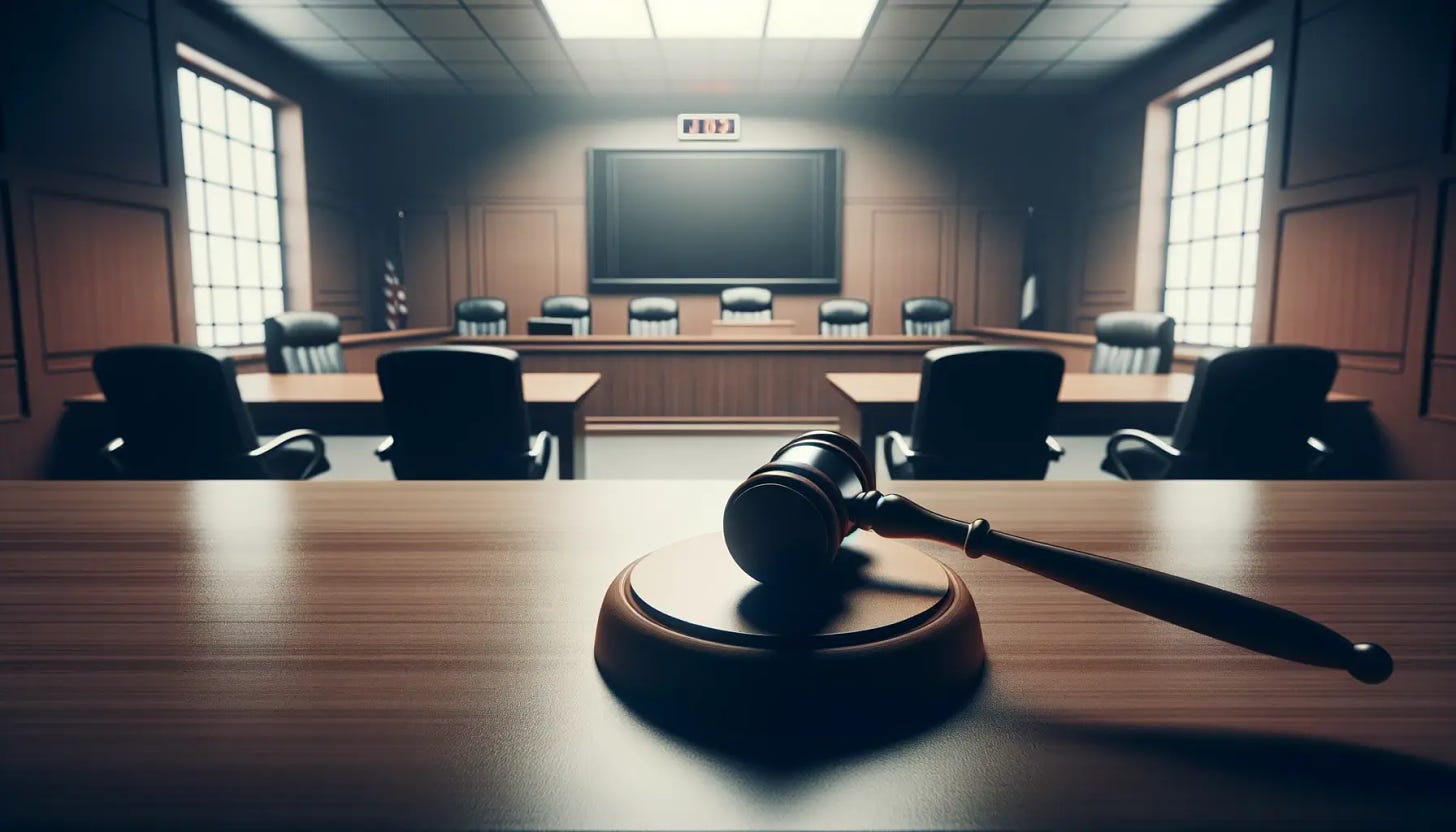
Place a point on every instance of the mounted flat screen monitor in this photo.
(701, 221)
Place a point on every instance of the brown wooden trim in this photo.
(360, 339)
(663, 425)
(882, 344)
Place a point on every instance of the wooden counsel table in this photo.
(871, 404)
(350, 404)
(723, 378)
(372, 655)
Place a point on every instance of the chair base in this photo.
(687, 639)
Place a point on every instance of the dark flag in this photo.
(396, 310)
(1032, 316)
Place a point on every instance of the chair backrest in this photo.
(455, 412)
(844, 318)
(1133, 342)
(1252, 411)
(926, 316)
(303, 342)
(575, 307)
(745, 303)
(481, 316)
(178, 411)
(652, 316)
(984, 412)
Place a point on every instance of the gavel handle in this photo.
(1204, 609)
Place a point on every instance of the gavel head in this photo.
(784, 524)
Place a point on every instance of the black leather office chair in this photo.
(575, 308)
(926, 316)
(652, 316)
(844, 318)
(458, 413)
(983, 413)
(1252, 414)
(179, 416)
(481, 316)
(745, 303)
(303, 342)
(1133, 342)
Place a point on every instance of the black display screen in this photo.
(685, 221)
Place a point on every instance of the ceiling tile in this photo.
(591, 49)
(327, 50)
(1152, 21)
(513, 23)
(985, 86)
(286, 22)
(559, 87)
(830, 49)
(1067, 23)
(946, 3)
(362, 23)
(893, 49)
(1112, 49)
(357, 69)
(914, 87)
(477, 49)
(438, 23)
(1014, 70)
(530, 49)
(547, 70)
(1044, 87)
(498, 87)
(322, 3)
(880, 70)
(710, 50)
(825, 70)
(964, 49)
(1081, 69)
(595, 71)
(1038, 49)
(639, 51)
(946, 70)
(416, 70)
(791, 49)
(781, 70)
(483, 70)
(390, 49)
(985, 23)
(868, 87)
(908, 22)
(777, 86)
(1022, 2)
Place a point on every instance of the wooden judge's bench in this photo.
(741, 372)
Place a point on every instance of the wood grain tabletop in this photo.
(1077, 388)
(419, 655)
(363, 388)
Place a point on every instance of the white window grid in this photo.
(230, 160)
(1220, 142)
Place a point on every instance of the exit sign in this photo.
(708, 127)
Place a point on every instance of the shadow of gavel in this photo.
(784, 525)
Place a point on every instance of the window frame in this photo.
(1172, 104)
(254, 95)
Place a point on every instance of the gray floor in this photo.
(683, 456)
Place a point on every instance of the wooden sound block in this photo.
(683, 633)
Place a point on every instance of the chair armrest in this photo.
(540, 452)
(262, 451)
(110, 451)
(1141, 436)
(382, 452)
(1321, 450)
(1055, 449)
(901, 444)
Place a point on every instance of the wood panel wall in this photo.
(1355, 249)
(934, 200)
(92, 204)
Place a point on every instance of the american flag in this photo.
(396, 311)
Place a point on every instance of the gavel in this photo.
(784, 525)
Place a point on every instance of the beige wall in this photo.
(934, 200)
(1357, 203)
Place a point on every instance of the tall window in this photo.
(232, 209)
(1219, 141)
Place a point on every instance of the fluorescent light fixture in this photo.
(708, 18)
(599, 18)
(844, 19)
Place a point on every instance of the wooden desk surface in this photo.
(363, 388)
(1078, 388)
(677, 344)
(419, 654)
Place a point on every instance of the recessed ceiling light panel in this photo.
(844, 19)
(599, 18)
(708, 18)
